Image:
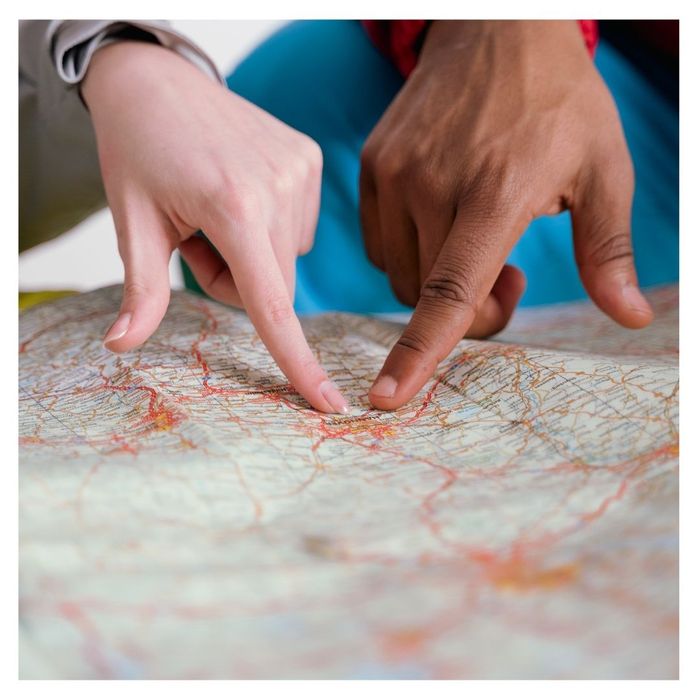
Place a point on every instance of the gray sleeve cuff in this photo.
(72, 44)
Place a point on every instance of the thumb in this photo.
(145, 249)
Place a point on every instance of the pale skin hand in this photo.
(500, 122)
(179, 153)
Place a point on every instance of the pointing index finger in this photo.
(459, 282)
(265, 296)
(435, 328)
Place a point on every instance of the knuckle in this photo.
(306, 161)
(242, 205)
(313, 156)
(134, 289)
(391, 168)
(610, 249)
(497, 187)
(368, 157)
(284, 180)
(216, 188)
(508, 190)
(306, 244)
(449, 285)
(415, 340)
(279, 310)
(431, 187)
(231, 199)
(384, 162)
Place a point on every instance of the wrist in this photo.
(500, 39)
(116, 66)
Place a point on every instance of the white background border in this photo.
(690, 301)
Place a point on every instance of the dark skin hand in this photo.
(500, 122)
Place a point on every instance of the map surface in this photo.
(184, 514)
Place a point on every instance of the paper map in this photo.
(185, 514)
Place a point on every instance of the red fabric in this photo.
(589, 29)
(398, 39)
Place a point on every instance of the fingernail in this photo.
(334, 397)
(635, 299)
(385, 386)
(118, 328)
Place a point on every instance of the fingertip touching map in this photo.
(184, 514)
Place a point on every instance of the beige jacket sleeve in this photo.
(59, 174)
